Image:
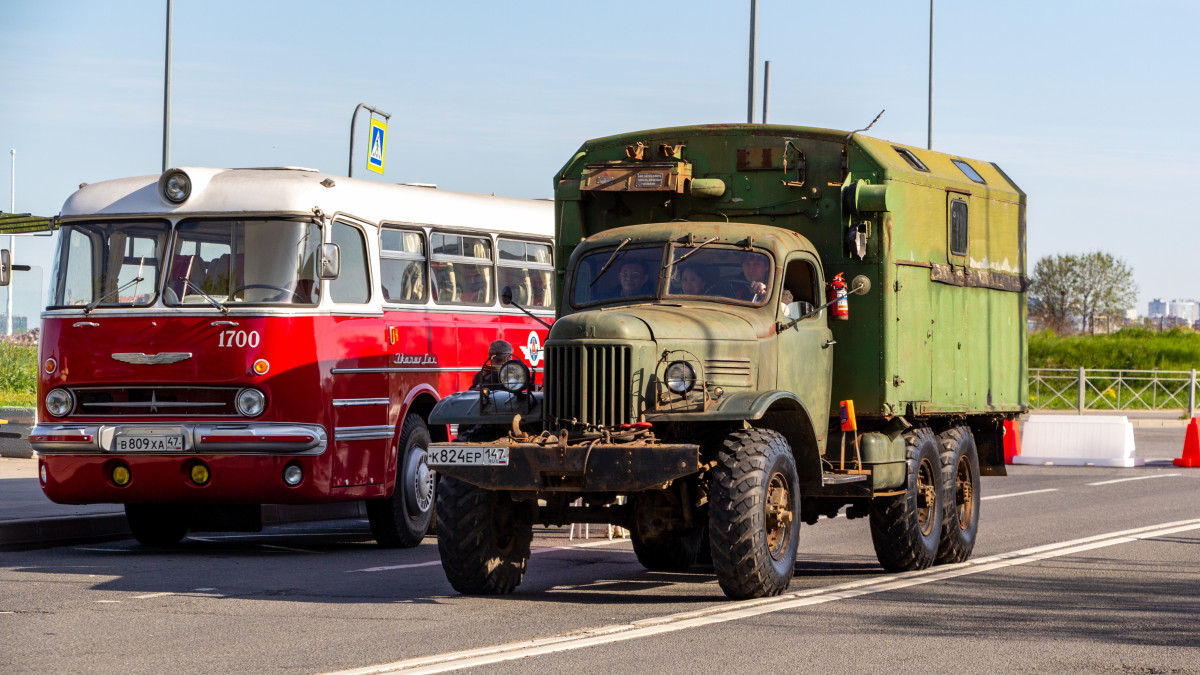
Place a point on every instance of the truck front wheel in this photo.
(754, 514)
(483, 537)
(960, 476)
(906, 528)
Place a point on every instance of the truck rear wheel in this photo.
(401, 521)
(158, 524)
(905, 529)
(754, 509)
(659, 547)
(960, 478)
(483, 537)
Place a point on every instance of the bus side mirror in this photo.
(505, 294)
(331, 262)
(5, 267)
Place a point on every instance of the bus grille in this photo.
(164, 401)
(589, 385)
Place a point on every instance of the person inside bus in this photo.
(476, 291)
(634, 280)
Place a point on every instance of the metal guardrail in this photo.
(1097, 389)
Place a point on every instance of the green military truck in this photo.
(704, 346)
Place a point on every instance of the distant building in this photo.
(20, 324)
(1158, 309)
(1188, 310)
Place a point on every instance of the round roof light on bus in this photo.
(681, 377)
(59, 402)
(514, 376)
(251, 402)
(175, 186)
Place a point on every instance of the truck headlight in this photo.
(514, 376)
(59, 402)
(251, 402)
(681, 377)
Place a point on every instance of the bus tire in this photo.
(754, 514)
(158, 524)
(483, 537)
(960, 478)
(905, 529)
(401, 521)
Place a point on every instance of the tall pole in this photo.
(766, 88)
(353, 120)
(753, 58)
(166, 163)
(12, 241)
(930, 143)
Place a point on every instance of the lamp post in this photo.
(12, 241)
(930, 141)
(353, 119)
(166, 160)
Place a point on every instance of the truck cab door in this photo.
(805, 345)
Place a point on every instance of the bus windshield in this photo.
(237, 262)
(109, 264)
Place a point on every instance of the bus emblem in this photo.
(533, 349)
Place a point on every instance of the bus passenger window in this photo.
(462, 270)
(526, 268)
(352, 283)
(402, 265)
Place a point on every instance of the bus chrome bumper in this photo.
(616, 467)
(170, 439)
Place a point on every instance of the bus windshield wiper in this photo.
(211, 300)
(687, 255)
(608, 264)
(92, 305)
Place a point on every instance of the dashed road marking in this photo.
(1122, 480)
(1019, 494)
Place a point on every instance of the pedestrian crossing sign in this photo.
(378, 145)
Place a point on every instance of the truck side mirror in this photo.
(860, 285)
(797, 310)
(5, 267)
(331, 261)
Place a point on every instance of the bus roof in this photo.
(246, 192)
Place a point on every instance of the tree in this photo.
(1066, 289)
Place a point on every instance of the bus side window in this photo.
(352, 285)
(402, 265)
(526, 268)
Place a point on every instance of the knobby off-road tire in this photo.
(158, 524)
(483, 537)
(666, 551)
(905, 529)
(960, 478)
(754, 514)
(401, 521)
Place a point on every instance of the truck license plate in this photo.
(148, 443)
(467, 456)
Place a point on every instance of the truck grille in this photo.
(155, 401)
(589, 385)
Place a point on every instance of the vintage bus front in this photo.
(219, 339)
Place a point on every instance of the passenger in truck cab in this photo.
(634, 280)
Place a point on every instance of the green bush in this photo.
(18, 370)
(1127, 349)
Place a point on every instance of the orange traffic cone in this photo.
(1012, 440)
(1191, 446)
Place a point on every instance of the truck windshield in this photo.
(632, 274)
(109, 263)
(724, 273)
(237, 262)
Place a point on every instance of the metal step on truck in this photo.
(757, 326)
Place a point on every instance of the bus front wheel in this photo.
(401, 521)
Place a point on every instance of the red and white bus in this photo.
(218, 339)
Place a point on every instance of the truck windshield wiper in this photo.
(689, 254)
(211, 300)
(92, 305)
(612, 258)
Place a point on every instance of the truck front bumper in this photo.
(620, 467)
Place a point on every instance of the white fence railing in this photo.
(1096, 389)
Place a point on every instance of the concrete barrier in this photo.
(20, 421)
(1078, 440)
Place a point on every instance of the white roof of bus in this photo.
(292, 190)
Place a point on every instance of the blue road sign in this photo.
(378, 146)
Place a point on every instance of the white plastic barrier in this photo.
(1077, 440)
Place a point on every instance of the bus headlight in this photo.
(175, 186)
(59, 402)
(681, 377)
(251, 402)
(514, 376)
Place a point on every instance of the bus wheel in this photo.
(905, 529)
(157, 524)
(960, 478)
(483, 537)
(400, 521)
(754, 514)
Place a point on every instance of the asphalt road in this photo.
(1076, 570)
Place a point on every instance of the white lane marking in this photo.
(106, 550)
(1019, 494)
(536, 551)
(471, 658)
(1122, 480)
(117, 602)
(202, 590)
(151, 595)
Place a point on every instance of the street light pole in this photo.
(753, 57)
(930, 142)
(166, 159)
(353, 120)
(12, 241)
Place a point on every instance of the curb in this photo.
(34, 533)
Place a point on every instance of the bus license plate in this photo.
(468, 456)
(148, 443)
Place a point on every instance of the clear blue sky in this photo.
(1088, 106)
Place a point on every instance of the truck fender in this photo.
(469, 407)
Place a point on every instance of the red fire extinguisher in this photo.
(840, 305)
